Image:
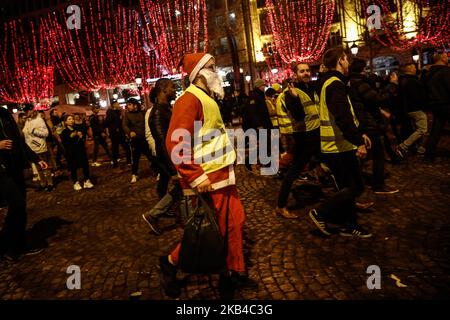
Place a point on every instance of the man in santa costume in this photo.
(195, 115)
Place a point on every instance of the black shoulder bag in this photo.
(203, 248)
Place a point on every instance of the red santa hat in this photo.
(194, 62)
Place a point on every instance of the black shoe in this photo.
(355, 231)
(50, 188)
(153, 223)
(385, 190)
(170, 213)
(242, 281)
(319, 222)
(169, 280)
(32, 252)
(10, 258)
(401, 152)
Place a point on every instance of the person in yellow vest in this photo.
(271, 107)
(207, 168)
(299, 115)
(341, 143)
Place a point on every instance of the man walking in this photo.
(197, 107)
(341, 143)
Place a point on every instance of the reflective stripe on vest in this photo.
(284, 120)
(272, 112)
(332, 139)
(311, 109)
(215, 150)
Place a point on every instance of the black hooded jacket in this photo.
(412, 93)
(438, 87)
(367, 102)
(159, 122)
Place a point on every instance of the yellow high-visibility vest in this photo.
(215, 150)
(284, 120)
(332, 139)
(288, 124)
(272, 112)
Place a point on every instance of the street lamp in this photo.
(138, 81)
(248, 78)
(415, 55)
(354, 49)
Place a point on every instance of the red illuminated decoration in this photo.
(175, 27)
(26, 72)
(431, 23)
(106, 52)
(300, 28)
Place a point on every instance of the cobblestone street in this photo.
(101, 230)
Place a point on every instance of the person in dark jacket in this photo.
(134, 127)
(73, 138)
(342, 142)
(15, 156)
(413, 100)
(113, 125)
(99, 135)
(57, 127)
(438, 90)
(161, 96)
(256, 116)
(367, 104)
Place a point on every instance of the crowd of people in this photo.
(333, 125)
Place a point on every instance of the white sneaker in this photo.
(134, 178)
(96, 164)
(88, 184)
(77, 186)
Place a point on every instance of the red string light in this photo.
(432, 28)
(175, 27)
(26, 73)
(300, 28)
(106, 52)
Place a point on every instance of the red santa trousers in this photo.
(236, 217)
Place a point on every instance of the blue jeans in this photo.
(166, 202)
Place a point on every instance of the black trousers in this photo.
(116, 140)
(163, 183)
(307, 145)
(378, 160)
(75, 164)
(13, 233)
(140, 146)
(340, 208)
(100, 141)
(440, 118)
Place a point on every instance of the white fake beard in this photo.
(213, 82)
